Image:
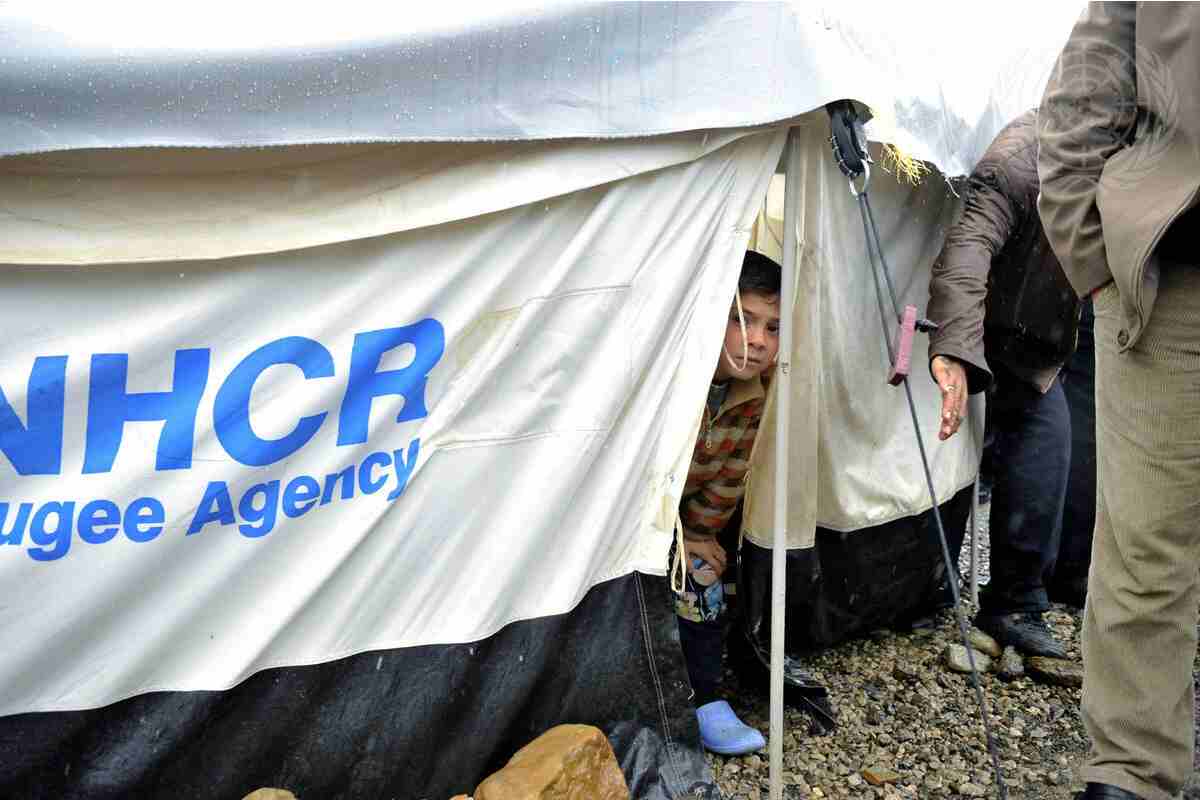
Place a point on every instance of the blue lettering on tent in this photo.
(99, 521)
(13, 532)
(50, 525)
(366, 473)
(256, 511)
(300, 496)
(143, 519)
(48, 530)
(53, 540)
(259, 520)
(36, 448)
(215, 506)
(367, 382)
(404, 467)
(231, 411)
(332, 480)
(110, 406)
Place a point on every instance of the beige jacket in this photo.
(1119, 147)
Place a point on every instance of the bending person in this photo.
(1007, 323)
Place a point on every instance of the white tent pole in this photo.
(782, 419)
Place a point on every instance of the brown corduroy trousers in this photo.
(1139, 626)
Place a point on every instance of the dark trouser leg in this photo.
(702, 644)
(1069, 582)
(1031, 461)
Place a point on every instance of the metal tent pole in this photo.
(782, 422)
(974, 543)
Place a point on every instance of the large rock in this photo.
(1056, 671)
(878, 776)
(567, 762)
(983, 643)
(957, 660)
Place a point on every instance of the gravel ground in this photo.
(900, 709)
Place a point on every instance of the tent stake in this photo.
(782, 423)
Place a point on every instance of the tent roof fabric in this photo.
(141, 76)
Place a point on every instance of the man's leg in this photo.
(1032, 462)
(1139, 627)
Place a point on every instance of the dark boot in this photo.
(1025, 631)
(1102, 791)
(749, 646)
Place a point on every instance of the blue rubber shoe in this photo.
(722, 732)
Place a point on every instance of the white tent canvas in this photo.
(343, 352)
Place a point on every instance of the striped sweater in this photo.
(720, 460)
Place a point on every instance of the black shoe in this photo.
(1025, 631)
(1102, 791)
(752, 662)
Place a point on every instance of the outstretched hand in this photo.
(951, 378)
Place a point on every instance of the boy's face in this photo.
(761, 313)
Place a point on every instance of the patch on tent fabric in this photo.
(485, 332)
(543, 358)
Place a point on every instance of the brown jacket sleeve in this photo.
(1089, 102)
(958, 286)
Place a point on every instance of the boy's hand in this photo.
(709, 551)
(951, 378)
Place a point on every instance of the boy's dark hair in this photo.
(760, 275)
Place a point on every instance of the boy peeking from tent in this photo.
(715, 485)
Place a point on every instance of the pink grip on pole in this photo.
(904, 342)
